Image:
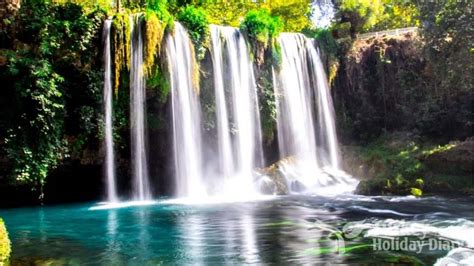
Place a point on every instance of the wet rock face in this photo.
(456, 161)
(354, 163)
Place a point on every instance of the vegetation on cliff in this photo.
(196, 22)
(295, 14)
(51, 68)
(395, 165)
(419, 82)
(369, 15)
(51, 60)
(416, 82)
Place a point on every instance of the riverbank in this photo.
(402, 164)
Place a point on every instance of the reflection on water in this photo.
(250, 252)
(192, 231)
(113, 246)
(297, 229)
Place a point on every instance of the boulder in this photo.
(458, 160)
(271, 179)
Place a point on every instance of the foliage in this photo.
(195, 20)
(261, 27)
(225, 12)
(161, 10)
(449, 37)
(329, 49)
(88, 5)
(39, 118)
(158, 80)
(325, 40)
(5, 245)
(53, 54)
(390, 83)
(405, 167)
(398, 14)
(368, 15)
(294, 13)
(362, 14)
(154, 32)
(121, 40)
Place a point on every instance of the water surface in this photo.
(290, 229)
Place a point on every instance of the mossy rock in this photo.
(458, 160)
(449, 184)
(5, 245)
(371, 187)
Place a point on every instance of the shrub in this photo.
(154, 32)
(416, 192)
(121, 39)
(260, 26)
(52, 62)
(5, 245)
(196, 22)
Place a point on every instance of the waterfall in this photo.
(226, 160)
(187, 136)
(108, 94)
(225, 166)
(325, 107)
(238, 121)
(295, 115)
(141, 188)
(306, 134)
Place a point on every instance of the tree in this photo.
(375, 15)
(295, 14)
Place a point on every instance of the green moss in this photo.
(121, 40)
(268, 108)
(276, 54)
(154, 32)
(5, 245)
(157, 80)
(405, 169)
(438, 149)
(416, 192)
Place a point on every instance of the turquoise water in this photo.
(293, 229)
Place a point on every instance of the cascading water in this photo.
(141, 188)
(109, 141)
(327, 127)
(187, 137)
(239, 145)
(295, 117)
(226, 160)
(299, 83)
(305, 119)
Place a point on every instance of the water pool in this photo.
(290, 229)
